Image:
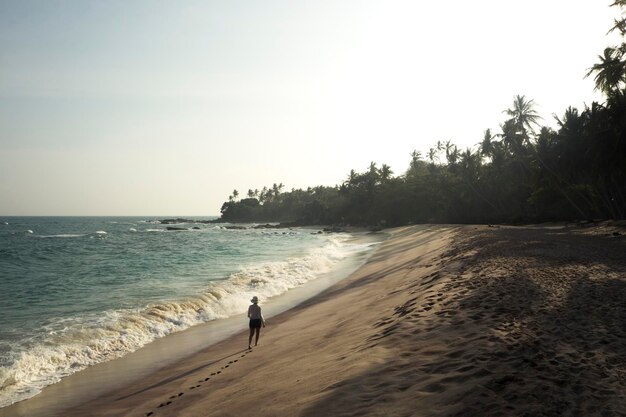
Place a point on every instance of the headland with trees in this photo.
(524, 172)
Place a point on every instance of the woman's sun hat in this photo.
(255, 299)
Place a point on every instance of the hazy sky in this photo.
(165, 107)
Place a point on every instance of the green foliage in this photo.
(576, 172)
(610, 72)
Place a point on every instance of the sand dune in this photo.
(441, 321)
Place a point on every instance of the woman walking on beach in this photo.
(256, 320)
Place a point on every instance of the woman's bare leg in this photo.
(250, 338)
(258, 332)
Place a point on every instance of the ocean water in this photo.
(77, 291)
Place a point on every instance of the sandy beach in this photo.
(441, 321)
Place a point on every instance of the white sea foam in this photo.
(101, 234)
(63, 235)
(74, 344)
(132, 229)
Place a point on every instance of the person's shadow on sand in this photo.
(182, 375)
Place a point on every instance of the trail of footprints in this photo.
(172, 398)
(414, 309)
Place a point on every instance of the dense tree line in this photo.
(523, 172)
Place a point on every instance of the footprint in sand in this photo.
(180, 394)
(383, 322)
(434, 387)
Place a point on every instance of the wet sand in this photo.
(441, 321)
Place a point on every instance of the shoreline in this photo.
(440, 320)
(100, 378)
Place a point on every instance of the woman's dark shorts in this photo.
(255, 323)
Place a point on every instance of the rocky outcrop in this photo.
(181, 220)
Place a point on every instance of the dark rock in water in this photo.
(176, 228)
(180, 220)
(174, 221)
(275, 226)
(195, 228)
(235, 227)
(616, 233)
(266, 226)
(333, 229)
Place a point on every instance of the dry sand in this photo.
(441, 321)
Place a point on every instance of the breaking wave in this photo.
(72, 344)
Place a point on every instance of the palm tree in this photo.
(276, 189)
(524, 114)
(619, 3)
(620, 24)
(544, 142)
(432, 155)
(610, 71)
(469, 162)
(512, 138)
(414, 164)
(487, 146)
(571, 125)
(385, 173)
(352, 177)
(452, 153)
(470, 165)
(571, 121)
(263, 195)
(372, 176)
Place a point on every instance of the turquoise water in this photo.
(76, 291)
